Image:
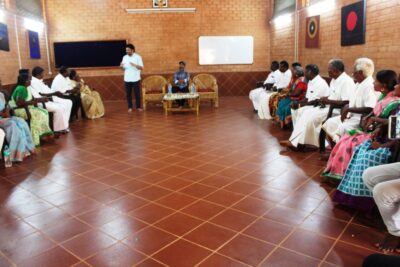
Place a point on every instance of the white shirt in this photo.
(341, 88)
(273, 76)
(364, 95)
(60, 84)
(38, 86)
(132, 74)
(317, 88)
(283, 80)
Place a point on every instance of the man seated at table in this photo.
(59, 106)
(181, 82)
(62, 85)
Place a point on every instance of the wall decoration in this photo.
(4, 44)
(34, 45)
(353, 24)
(312, 32)
(160, 3)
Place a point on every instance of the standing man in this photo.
(132, 64)
(181, 82)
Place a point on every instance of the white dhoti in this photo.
(296, 113)
(263, 111)
(254, 97)
(308, 126)
(61, 109)
(335, 128)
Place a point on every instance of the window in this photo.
(30, 9)
(282, 7)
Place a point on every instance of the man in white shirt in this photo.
(317, 88)
(132, 64)
(269, 82)
(281, 83)
(61, 85)
(59, 106)
(310, 118)
(362, 101)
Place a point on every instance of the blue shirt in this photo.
(181, 75)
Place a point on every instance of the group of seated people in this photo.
(25, 120)
(351, 115)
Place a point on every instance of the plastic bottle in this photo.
(193, 89)
(7, 158)
(169, 89)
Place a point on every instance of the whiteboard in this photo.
(215, 50)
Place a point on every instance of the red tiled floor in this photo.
(88, 243)
(285, 258)
(148, 190)
(308, 243)
(246, 250)
(178, 223)
(116, 255)
(210, 236)
(217, 260)
(56, 256)
(177, 253)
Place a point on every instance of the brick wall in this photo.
(163, 39)
(9, 64)
(382, 37)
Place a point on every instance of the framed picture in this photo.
(4, 44)
(160, 3)
(353, 24)
(34, 45)
(312, 30)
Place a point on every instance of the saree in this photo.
(352, 191)
(341, 154)
(18, 135)
(284, 105)
(275, 98)
(91, 101)
(39, 124)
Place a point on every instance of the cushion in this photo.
(153, 91)
(205, 90)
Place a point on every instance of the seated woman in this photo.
(91, 100)
(388, 102)
(376, 150)
(276, 97)
(296, 93)
(17, 132)
(39, 121)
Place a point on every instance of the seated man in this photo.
(384, 183)
(268, 83)
(181, 82)
(60, 107)
(61, 84)
(310, 118)
(282, 82)
(362, 101)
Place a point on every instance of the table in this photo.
(194, 102)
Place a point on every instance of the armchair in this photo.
(153, 89)
(207, 87)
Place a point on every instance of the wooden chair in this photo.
(153, 89)
(322, 134)
(207, 87)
